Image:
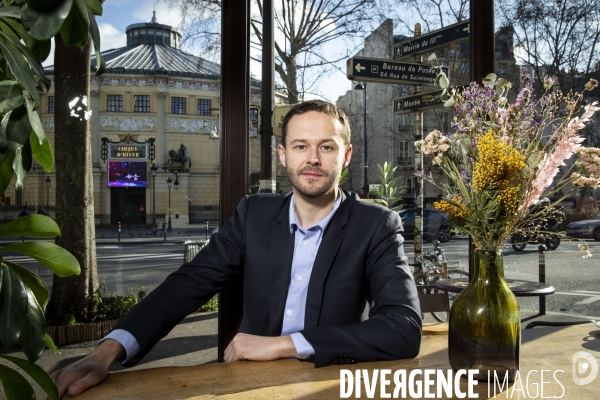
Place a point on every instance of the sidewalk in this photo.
(194, 342)
(134, 235)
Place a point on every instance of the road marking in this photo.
(592, 298)
(141, 256)
(120, 256)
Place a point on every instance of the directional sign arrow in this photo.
(426, 43)
(417, 102)
(387, 71)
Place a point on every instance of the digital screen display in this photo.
(127, 173)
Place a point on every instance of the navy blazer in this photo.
(360, 260)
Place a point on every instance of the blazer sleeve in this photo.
(188, 288)
(393, 330)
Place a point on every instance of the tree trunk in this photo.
(290, 78)
(74, 183)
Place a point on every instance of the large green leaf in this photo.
(52, 256)
(34, 329)
(95, 6)
(50, 343)
(33, 282)
(11, 96)
(34, 121)
(15, 125)
(42, 152)
(34, 62)
(37, 373)
(26, 159)
(13, 304)
(16, 387)
(20, 69)
(35, 225)
(6, 170)
(39, 48)
(10, 11)
(18, 168)
(95, 35)
(74, 30)
(44, 18)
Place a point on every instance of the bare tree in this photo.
(431, 14)
(560, 39)
(304, 31)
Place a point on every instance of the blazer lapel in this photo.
(330, 244)
(281, 254)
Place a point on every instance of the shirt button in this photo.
(299, 278)
(289, 312)
(306, 242)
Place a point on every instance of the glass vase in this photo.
(485, 322)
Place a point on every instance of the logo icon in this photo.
(580, 367)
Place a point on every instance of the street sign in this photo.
(387, 71)
(426, 43)
(278, 114)
(417, 102)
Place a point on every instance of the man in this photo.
(311, 261)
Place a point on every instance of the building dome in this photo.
(154, 48)
(153, 33)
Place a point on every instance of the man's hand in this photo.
(259, 348)
(90, 370)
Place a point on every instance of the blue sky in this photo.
(118, 14)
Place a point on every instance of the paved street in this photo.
(124, 267)
(577, 280)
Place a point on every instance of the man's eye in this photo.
(327, 148)
(301, 147)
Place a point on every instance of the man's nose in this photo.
(313, 158)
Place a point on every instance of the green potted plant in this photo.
(23, 300)
(26, 28)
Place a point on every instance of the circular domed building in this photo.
(155, 117)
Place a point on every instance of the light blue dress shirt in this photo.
(306, 246)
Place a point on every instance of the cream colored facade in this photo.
(199, 133)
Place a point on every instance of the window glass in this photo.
(141, 103)
(50, 104)
(114, 103)
(204, 107)
(178, 105)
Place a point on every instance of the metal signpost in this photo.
(417, 74)
(427, 43)
(387, 71)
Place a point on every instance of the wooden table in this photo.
(520, 287)
(548, 349)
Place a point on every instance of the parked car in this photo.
(435, 225)
(590, 228)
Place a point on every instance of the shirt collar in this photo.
(322, 224)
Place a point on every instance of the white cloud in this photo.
(110, 37)
(164, 14)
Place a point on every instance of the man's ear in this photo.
(281, 151)
(347, 155)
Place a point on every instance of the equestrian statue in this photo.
(179, 157)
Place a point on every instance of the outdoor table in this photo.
(548, 349)
(519, 287)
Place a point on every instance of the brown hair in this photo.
(318, 106)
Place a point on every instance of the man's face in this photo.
(315, 154)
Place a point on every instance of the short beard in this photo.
(312, 192)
